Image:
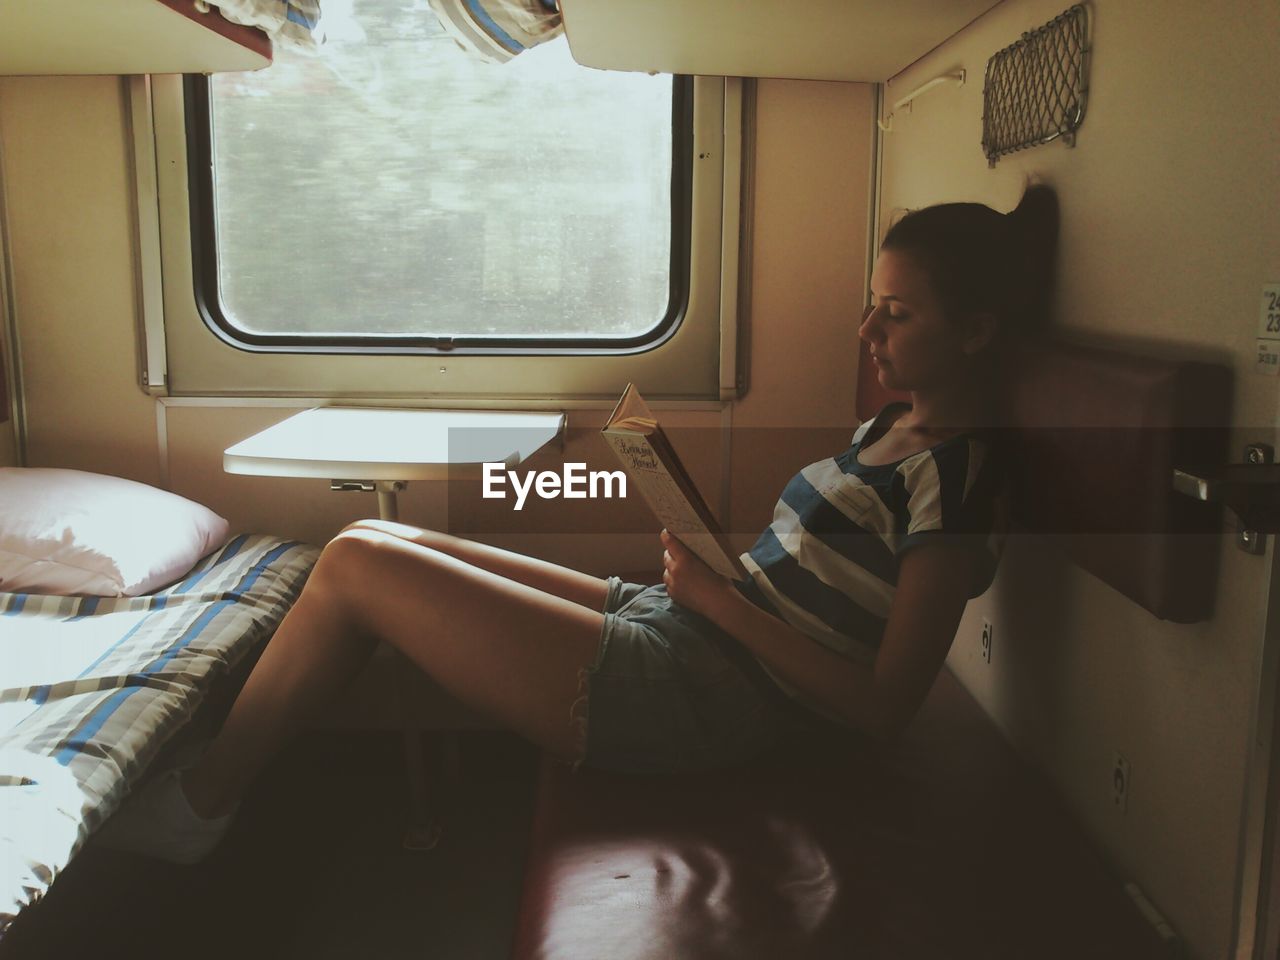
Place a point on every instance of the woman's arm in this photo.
(932, 591)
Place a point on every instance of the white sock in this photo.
(158, 821)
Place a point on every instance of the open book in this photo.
(654, 469)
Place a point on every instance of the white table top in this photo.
(376, 443)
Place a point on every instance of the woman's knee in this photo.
(344, 559)
(387, 527)
(401, 531)
(354, 546)
(353, 573)
(366, 556)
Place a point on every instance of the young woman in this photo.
(856, 587)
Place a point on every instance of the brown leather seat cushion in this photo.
(944, 847)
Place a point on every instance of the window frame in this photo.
(197, 93)
(693, 357)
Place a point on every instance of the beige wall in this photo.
(8, 446)
(8, 430)
(1168, 235)
(813, 167)
(8, 435)
(71, 244)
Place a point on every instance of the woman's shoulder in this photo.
(959, 461)
(970, 464)
(974, 444)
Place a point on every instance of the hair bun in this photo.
(1035, 218)
(1034, 242)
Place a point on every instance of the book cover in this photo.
(651, 463)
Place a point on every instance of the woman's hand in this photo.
(689, 581)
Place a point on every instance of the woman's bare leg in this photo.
(562, 581)
(501, 646)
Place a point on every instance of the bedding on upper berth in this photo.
(92, 687)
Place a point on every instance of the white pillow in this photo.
(74, 533)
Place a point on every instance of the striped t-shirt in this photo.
(828, 563)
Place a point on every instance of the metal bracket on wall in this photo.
(1251, 490)
(1247, 539)
(956, 77)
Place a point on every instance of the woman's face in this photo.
(915, 347)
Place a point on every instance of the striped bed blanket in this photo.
(91, 688)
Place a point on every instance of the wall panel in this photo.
(71, 236)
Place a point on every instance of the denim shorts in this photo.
(670, 692)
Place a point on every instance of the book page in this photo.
(656, 484)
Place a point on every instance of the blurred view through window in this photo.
(394, 185)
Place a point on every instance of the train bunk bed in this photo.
(947, 846)
(122, 608)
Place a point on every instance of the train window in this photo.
(439, 223)
(433, 197)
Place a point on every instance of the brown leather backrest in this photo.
(1093, 436)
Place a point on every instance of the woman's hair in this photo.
(981, 261)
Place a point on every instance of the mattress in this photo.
(91, 688)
